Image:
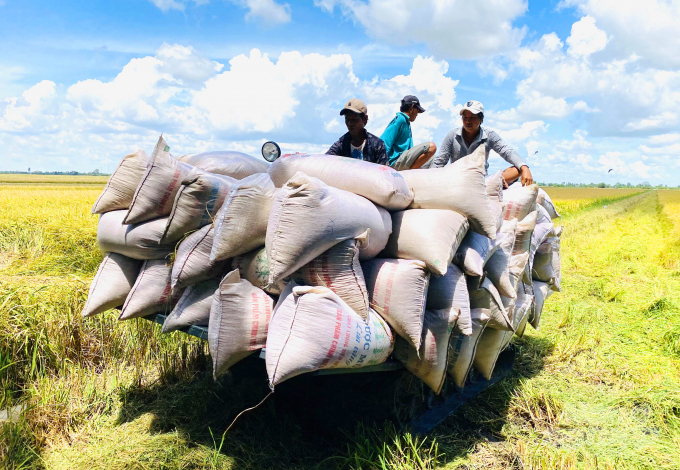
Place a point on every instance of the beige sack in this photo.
(429, 235)
(312, 329)
(239, 320)
(158, 187)
(151, 292)
(497, 266)
(450, 293)
(138, 241)
(544, 200)
(475, 250)
(339, 270)
(494, 191)
(458, 187)
(521, 251)
(519, 201)
(193, 308)
(523, 308)
(196, 203)
(308, 217)
(254, 267)
(228, 163)
(241, 223)
(192, 261)
(112, 284)
(463, 348)
(486, 297)
(397, 289)
(542, 269)
(430, 362)
(378, 183)
(556, 260)
(541, 293)
(122, 184)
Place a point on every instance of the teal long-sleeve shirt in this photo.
(397, 137)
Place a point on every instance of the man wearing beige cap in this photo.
(358, 142)
(464, 140)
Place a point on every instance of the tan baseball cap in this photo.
(356, 106)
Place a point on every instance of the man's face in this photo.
(471, 122)
(355, 123)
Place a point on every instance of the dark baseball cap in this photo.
(409, 100)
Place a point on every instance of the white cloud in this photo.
(31, 108)
(585, 38)
(167, 5)
(270, 12)
(452, 28)
(185, 64)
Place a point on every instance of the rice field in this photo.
(598, 387)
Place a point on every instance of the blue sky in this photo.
(579, 87)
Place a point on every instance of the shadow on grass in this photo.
(332, 421)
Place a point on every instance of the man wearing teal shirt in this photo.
(401, 152)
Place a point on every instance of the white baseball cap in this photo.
(475, 107)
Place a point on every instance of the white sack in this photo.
(308, 217)
(521, 251)
(339, 270)
(241, 223)
(458, 187)
(556, 260)
(239, 320)
(254, 267)
(158, 187)
(151, 292)
(138, 241)
(523, 308)
(449, 292)
(122, 184)
(429, 235)
(494, 191)
(541, 293)
(397, 289)
(228, 163)
(544, 200)
(519, 201)
(192, 261)
(378, 183)
(464, 347)
(312, 329)
(110, 287)
(497, 266)
(430, 362)
(486, 297)
(193, 308)
(475, 250)
(199, 198)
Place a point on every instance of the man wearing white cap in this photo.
(464, 140)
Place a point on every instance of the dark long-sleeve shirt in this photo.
(374, 150)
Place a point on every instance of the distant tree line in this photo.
(72, 173)
(644, 185)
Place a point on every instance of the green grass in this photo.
(597, 387)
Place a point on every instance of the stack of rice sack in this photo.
(327, 262)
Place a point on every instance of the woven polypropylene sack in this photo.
(378, 183)
(239, 321)
(228, 163)
(312, 328)
(122, 184)
(523, 307)
(151, 292)
(519, 201)
(254, 266)
(542, 231)
(339, 270)
(494, 191)
(110, 287)
(429, 363)
(192, 261)
(449, 292)
(138, 241)
(542, 268)
(496, 267)
(308, 217)
(458, 187)
(241, 223)
(475, 250)
(193, 308)
(544, 200)
(542, 291)
(489, 349)
(397, 289)
(429, 235)
(521, 250)
(556, 260)
(158, 187)
(196, 203)
(463, 348)
(486, 297)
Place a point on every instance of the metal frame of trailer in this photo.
(431, 411)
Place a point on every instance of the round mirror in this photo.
(271, 151)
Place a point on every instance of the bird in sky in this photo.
(610, 170)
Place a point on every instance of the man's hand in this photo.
(525, 175)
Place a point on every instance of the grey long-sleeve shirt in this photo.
(454, 148)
